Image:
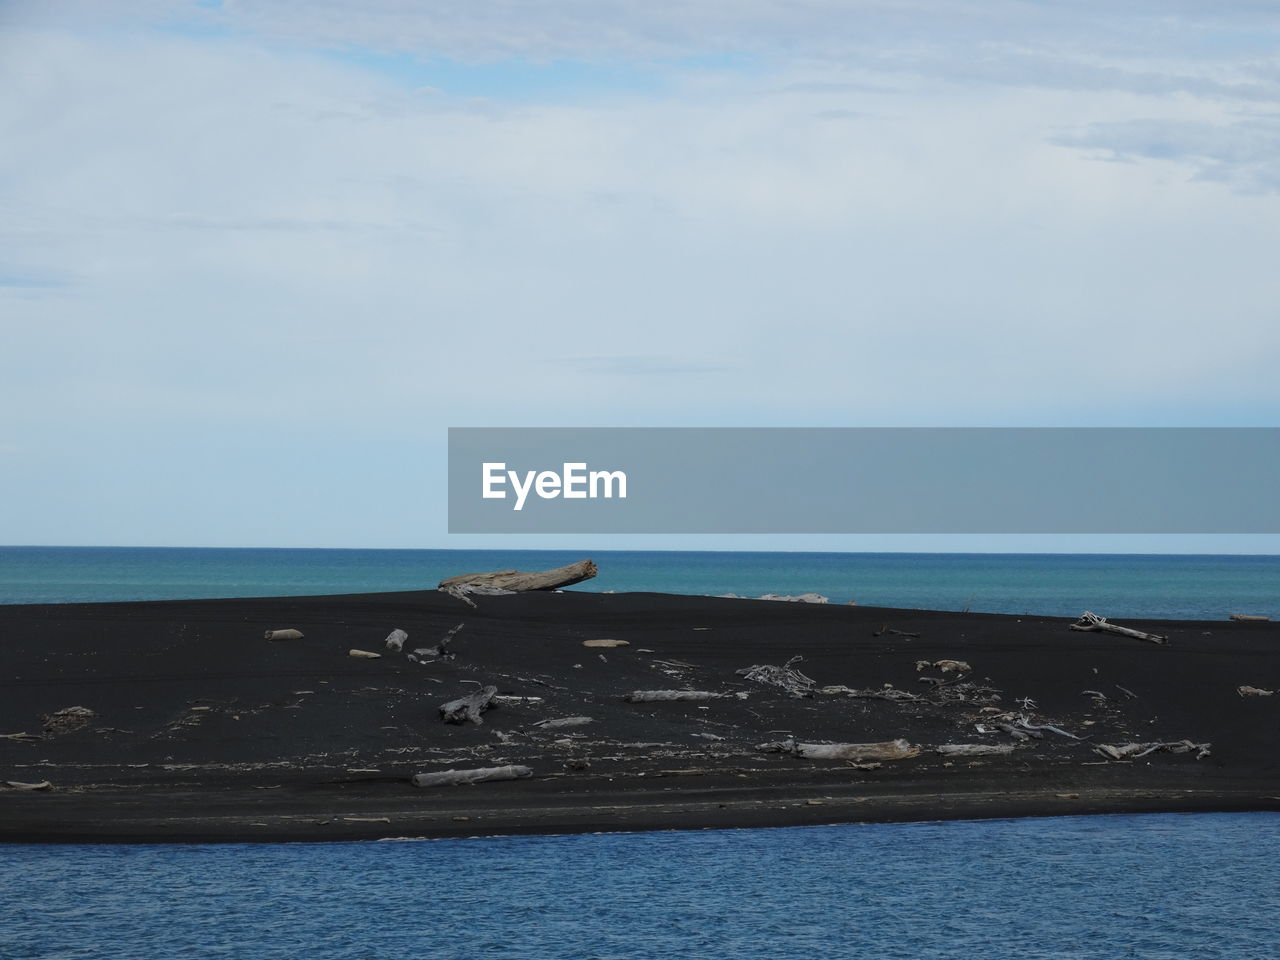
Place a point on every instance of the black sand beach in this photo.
(201, 730)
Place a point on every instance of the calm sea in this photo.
(1176, 587)
(1088, 888)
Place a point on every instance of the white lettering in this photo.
(493, 476)
(573, 482)
(609, 476)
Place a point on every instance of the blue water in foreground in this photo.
(1171, 587)
(1172, 886)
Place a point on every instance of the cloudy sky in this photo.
(256, 257)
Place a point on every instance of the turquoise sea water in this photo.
(1086, 888)
(1176, 587)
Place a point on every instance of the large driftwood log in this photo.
(454, 778)
(1093, 623)
(289, 634)
(515, 581)
(468, 708)
(1249, 618)
(887, 750)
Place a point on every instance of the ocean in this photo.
(1087, 888)
(1156, 586)
(1169, 887)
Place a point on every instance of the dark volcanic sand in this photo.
(299, 741)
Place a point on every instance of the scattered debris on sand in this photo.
(784, 677)
(946, 666)
(67, 719)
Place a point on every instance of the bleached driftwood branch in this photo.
(1092, 623)
(887, 750)
(972, 749)
(656, 696)
(454, 778)
(1134, 751)
(792, 681)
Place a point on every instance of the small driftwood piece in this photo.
(1249, 618)
(973, 749)
(516, 581)
(886, 629)
(606, 643)
(658, 696)
(1092, 623)
(887, 750)
(395, 640)
(23, 785)
(21, 736)
(1135, 751)
(1245, 690)
(364, 654)
(784, 677)
(455, 778)
(289, 634)
(468, 708)
(562, 723)
(440, 651)
(504, 700)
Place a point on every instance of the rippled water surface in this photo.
(1166, 587)
(1168, 886)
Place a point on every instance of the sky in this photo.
(256, 258)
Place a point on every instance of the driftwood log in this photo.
(290, 634)
(1134, 751)
(1092, 623)
(887, 750)
(454, 778)
(395, 640)
(972, 749)
(1245, 690)
(440, 651)
(658, 696)
(1249, 618)
(563, 722)
(516, 581)
(468, 708)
